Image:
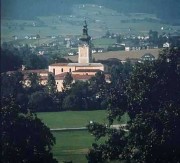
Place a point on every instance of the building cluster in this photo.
(83, 70)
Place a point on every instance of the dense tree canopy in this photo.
(13, 58)
(51, 87)
(151, 97)
(24, 138)
(10, 61)
(11, 84)
(67, 82)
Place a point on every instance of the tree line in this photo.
(13, 58)
(90, 95)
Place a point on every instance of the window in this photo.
(70, 70)
(62, 70)
(54, 71)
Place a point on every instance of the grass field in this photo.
(103, 42)
(73, 145)
(70, 119)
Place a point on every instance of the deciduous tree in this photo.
(24, 138)
(152, 100)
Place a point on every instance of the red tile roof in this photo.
(59, 64)
(87, 70)
(82, 77)
(75, 76)
(29, 71)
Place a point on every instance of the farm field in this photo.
(121, 55)
(103, 42)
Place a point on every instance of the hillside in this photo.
(30, 9)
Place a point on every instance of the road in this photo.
(123, 126)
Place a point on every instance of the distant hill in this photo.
(168, 10)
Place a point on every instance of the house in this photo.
(148, 57)
(42, 73)
(166, 45)
(97, 50)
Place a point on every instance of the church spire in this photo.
(85, 37)
(84, 49)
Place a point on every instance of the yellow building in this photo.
(84, 69)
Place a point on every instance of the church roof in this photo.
(82, 77)
(74, 76)
(78, 64)
(59, 64)
(87, 70)
(85, 64)
(39, 71)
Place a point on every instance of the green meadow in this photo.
(73, 145)
(70, 119)
(103, 42)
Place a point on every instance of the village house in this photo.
(148, 57)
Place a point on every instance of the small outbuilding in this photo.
(148, 57)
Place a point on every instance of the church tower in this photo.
(84, 49)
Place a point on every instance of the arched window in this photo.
(61, 69)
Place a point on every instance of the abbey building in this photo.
(84, 69)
